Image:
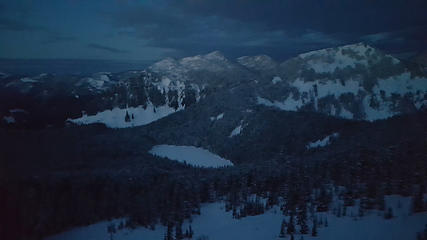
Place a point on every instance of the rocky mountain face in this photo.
(355, 82)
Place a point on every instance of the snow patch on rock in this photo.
(322, 142)
(236, 131)
(276, 80)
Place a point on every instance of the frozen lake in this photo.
(194, 156)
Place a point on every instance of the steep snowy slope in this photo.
(139, 100)
(354, 81)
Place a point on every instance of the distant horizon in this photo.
(398, 54)
(69, 66)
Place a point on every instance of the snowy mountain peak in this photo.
(353, 81)
(259, 62)
(349, 56)
(167, 63)
(359, 48)
(217, 55)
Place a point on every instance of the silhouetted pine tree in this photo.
(314, 229)
(291, 225)
(283, 229)
(169, 230)
(418, 202)
(178, 231)
(127, 117)
(389, 213)
(111, 229)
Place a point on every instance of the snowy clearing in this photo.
(116, 117)
(194, 156)
(217, 224)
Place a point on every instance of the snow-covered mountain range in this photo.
(354, 81)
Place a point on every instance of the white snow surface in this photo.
(322, 142)
(236, 131)
(17, 110)
(9, 119)
(115, 118)
(400, 85)
(194, 156)
(217, 224)
(28, 80)
(218, 117)
(329, 59)
(276, 80)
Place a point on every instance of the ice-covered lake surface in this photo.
(217, 224)
(194, 156)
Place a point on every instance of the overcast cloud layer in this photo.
(149, 30)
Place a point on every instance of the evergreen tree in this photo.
(314, 229)
(178, 232)
(291, 226)
(418, 202)
(111, 229)
(282, 229)
(389, 213)
(361, 210)
(127, 117)
(169, 230)
(381, 202)
(189, 232)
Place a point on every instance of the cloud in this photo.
(241, 27)
(280, 28)
(377, 37)
(193, 33)
(106, 48)
(409, 39)
(55, 38)
(15, 25)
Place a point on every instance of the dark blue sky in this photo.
(153, 29)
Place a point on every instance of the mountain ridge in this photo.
(354, 81)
